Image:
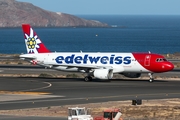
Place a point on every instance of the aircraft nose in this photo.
(169, 66)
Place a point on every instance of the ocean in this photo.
(129, 33)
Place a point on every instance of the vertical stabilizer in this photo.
(32, 41)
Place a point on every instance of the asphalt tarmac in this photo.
(20, 93)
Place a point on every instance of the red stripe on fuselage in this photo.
(149, 62)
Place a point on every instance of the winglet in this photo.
(32, 41)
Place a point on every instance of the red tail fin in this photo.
(32, 41)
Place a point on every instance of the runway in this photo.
(20, 93)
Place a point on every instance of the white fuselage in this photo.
(119, 62)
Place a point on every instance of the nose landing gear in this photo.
(151, 77)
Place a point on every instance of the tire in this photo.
(87, 79)
(151, 80)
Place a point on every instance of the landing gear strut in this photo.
(88, 78)
(151, 77)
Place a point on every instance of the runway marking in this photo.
(22, 97)
(49, 85)
(26, 93)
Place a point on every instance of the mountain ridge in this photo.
(14, 13)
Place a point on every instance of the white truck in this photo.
(79, 113)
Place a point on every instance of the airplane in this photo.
(98, 65)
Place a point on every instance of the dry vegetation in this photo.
(167, 109)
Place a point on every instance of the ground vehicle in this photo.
(110, 114)
(79, 113)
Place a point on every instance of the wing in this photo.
(82, 66)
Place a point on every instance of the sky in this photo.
(110, 7)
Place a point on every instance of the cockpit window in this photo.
(164, 59)
(160, 60)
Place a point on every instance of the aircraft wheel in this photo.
(151, 80)
(87, 79)
(151, 77)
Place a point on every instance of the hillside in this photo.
(14, 13)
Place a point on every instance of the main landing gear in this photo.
(88, 78)
(151, 77)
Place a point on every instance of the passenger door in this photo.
(147, 60)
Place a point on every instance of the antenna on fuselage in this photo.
(149, 52)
